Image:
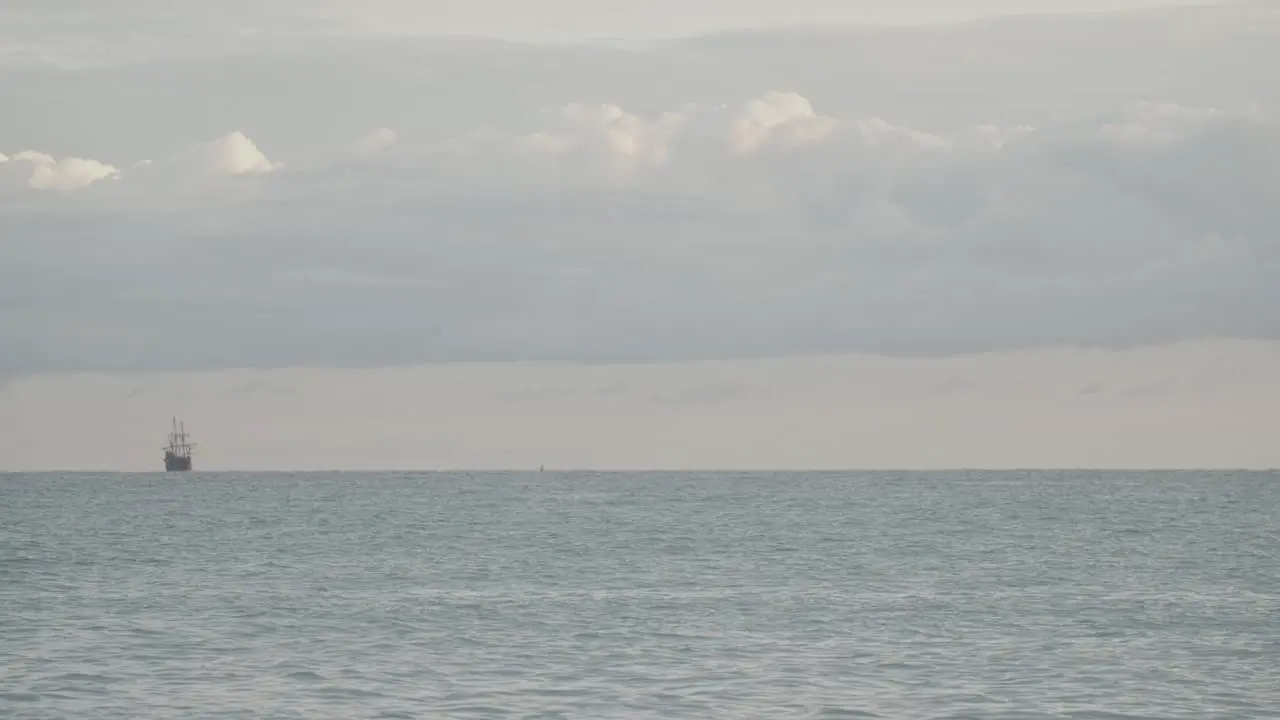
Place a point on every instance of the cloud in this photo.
(212, 170)
(39, 171)
(231, 154)
(1157, 124)
(610, 140)
(778, 119)
(618, 143)
(607, 142)
(592, 231)
(375, 142)
(603, 141)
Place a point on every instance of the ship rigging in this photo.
(177, 454)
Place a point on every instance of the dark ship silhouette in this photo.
(177, 454)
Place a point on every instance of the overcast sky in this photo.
(320, 184)
(548, 20)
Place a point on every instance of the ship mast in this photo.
(178, 444)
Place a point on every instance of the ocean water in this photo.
(526, 595)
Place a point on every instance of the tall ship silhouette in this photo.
(177, 454)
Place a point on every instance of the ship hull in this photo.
(176, 463)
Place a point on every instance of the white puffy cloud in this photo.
(231, 154)
(218, 168)
(619, 143)
(615, 142)
(777, 119)
(870, 174)
(40, 171)
(604, 141)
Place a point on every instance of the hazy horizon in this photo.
(1209, 405)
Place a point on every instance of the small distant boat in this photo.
(177, 454)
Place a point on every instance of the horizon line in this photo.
(638, 471)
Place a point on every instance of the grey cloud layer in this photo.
(778, 221)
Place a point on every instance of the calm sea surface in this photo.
(948, 595)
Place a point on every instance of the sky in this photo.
(90, 21)
(461, 202)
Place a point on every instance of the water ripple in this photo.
(593, 595)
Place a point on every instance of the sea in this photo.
(640, 595)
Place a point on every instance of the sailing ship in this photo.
(177, 454)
